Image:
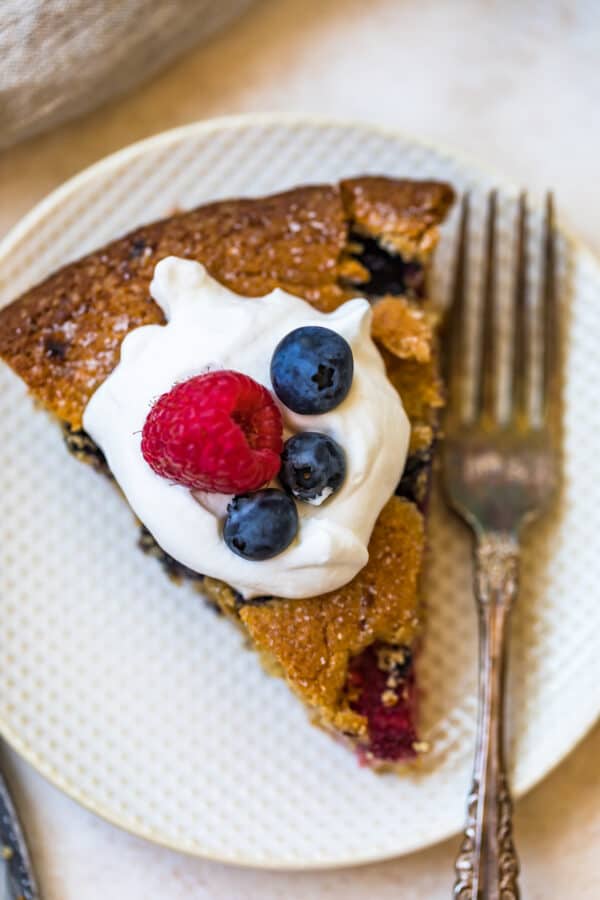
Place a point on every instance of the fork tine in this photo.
(485, 380)
(454, 337)
(550, 375)
(521, 324)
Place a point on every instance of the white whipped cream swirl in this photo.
(209, 327)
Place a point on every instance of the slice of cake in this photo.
(279, 474)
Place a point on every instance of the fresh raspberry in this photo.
(220, 432)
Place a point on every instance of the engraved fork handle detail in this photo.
(487, 866)
(17, 881)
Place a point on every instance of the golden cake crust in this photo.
(403, 215)
(312, 640)
(63, 336)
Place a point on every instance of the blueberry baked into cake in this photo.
(260, 378)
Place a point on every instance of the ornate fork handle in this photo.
(487, 866)
(17, 881)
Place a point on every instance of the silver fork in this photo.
(17, 881)
(498, 474)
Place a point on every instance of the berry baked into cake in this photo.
(260, 378)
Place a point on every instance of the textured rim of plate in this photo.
(51, 202)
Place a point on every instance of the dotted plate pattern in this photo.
(141, 703)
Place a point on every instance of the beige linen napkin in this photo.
(59, 58)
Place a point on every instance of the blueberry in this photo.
(311, 370)
(260, 525)
(313, 466)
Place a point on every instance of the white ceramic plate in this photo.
(138, 701)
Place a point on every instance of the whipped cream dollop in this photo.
(209, 327)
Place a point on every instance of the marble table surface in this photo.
(515, 85)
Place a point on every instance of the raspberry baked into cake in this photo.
(260, 378)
